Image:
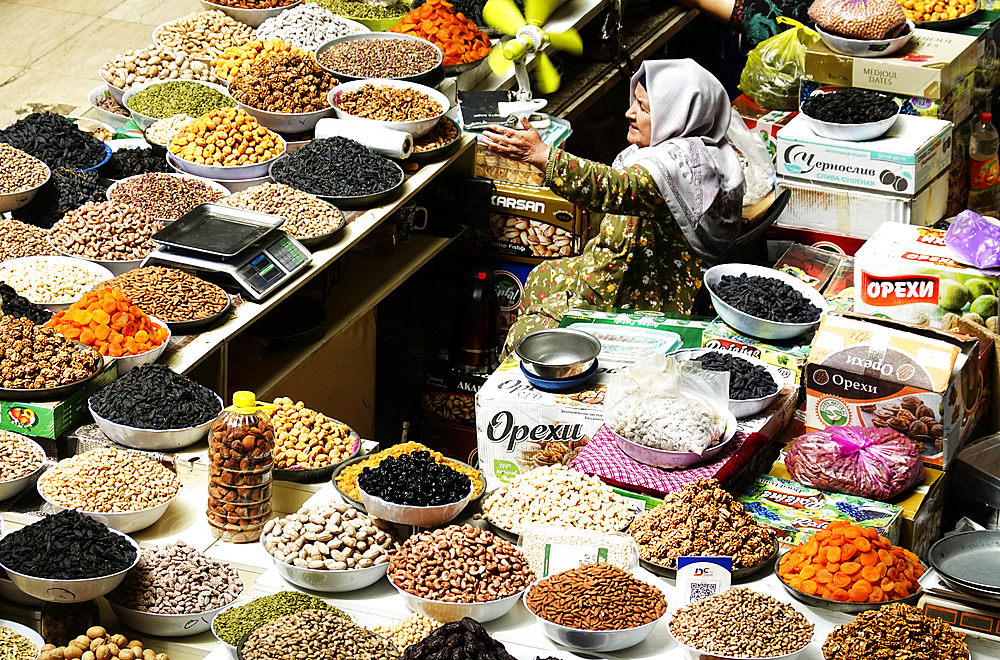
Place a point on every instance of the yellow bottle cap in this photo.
(244, 399)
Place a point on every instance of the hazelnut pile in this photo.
(97, 644)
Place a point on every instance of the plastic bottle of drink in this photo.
(984, 168)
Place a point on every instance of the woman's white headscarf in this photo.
(697, 171)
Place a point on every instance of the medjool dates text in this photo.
(414, 479)
(746, 380)
(151, 396)
(766, 298)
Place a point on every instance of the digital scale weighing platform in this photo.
(231, 246)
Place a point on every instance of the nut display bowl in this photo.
(15, 200)
(677, 459)
(444, 611)
(12, 487)
(127, 363)
(419, 516)
(305, 475)
(114, 267)
(838, 606)
(229, 647)
(165, 625)
(742, 408)
(214, 185)
(326, 581)
(23, 631)
(595, 641)
(110, 118)
(415, 128)
(691, 653)
(252, 17)
(125, 522)
(116, 92)
(431, 76)
(866, 47)
(360, 506)
(286, 122)
(851, 132)
(226, 174)
(145, 121)
(557, 352)
(72, 591)
(99, 272)
(743, 573)
(368, 201)
(153, 439)
(755, 326)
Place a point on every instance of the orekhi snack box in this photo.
(931, 65)
(907, 273)
(902, 162)
(866, 371)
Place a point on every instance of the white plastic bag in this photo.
(758, 169)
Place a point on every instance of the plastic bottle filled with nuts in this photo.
(240, 445)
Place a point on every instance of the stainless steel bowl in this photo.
(15, 200)
(557, 353)
(328, 581)
(9, 489)
(125, 522)
(866, 47)
(595, 641)
(691, 653)
(742, 408)
(445, 612)
(165, 625)
(252, 17)
(153, 439)
(419, 516)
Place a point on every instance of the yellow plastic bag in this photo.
(774, 68)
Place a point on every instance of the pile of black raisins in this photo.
(152, 396)
(336, 167)
(746, 380)
(766, 298)
(65, 191)
(414, 480)
(850, 106)
(458, 640)
(54, 140)
(19, 307)
(130, 162)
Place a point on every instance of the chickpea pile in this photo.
(97, 644)
(936, 10)
(227, 137)
(307, 439)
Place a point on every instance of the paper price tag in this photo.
(561, 557)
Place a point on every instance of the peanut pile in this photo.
(306, 439)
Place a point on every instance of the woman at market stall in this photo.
(672, 199)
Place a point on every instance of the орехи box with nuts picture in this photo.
(530, 224)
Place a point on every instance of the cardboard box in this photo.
(986, 31)
(791, 356)
(907, 273)
(956, 107)
(765, 123)
(796, 512)
(690, 328)
(931, 65)
(779, 238)
(450, 394)
(867, 371)
(51, 419)
(902, 162)
(531, 224)
(494, 166)
(858, 213)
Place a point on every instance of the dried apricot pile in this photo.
(848, 563)
(108, 321)
(459, 38)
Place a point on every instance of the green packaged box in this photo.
(50, 419)
(690, 328)
(791, 356)
(796, 512)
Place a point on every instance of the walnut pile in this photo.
(33, 357)
(283, 82)
(702, 519)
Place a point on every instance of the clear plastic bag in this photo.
(775, 66)
(550, 549)
(877, 463)
(758, 168)
(669, 405)
(974, 240)
(859, 19)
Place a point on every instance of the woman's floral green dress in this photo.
(639, 260)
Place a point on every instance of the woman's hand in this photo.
(524, 146)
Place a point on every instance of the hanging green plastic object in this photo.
(775, 67)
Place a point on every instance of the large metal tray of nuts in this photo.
(317, 241)
(438, 153)
(838, 606)
(51, 393)
(744, 573)
(200, 325)
(348, 202)
(311, 475)
(360, 506)
(512, 536)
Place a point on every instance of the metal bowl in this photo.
(165, 625)
(744, 573)
(742, 408)
(12, 487)
(214, 185)
(952, 24)
(49, 393)
(514, 535)
(225, 174)
(430, 77)
(116, 268)
(417, 516)
(15, 200)
(438, 153)
(10, 592)
(286, 122)
(691, 653)
(126, 522)
(752, 325)
(595, 641)
(866, 47)
(851, 132)
(312, 475)
(326, 581)
(347, 202)
(446, 612)
(127, 363)
(72, 591)
(452, 70)
(223, 643)
(117, 92)
(836, 605)
(557, 353)
(153, 439)
(200, 325)
(23, 631)
(251, 17)
(111, 119)
(415, 128)
(145, 121)
(677, 459)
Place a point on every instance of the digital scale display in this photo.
(264, 270)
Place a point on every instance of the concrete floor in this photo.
(51, 50)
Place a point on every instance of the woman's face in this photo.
(639, 130)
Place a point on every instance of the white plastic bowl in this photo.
(145, 121)
(109, 118)
(595, 641)
(752, 325)
(741, 408)
(866, 47)
(251, 17)
(214, 185)
(98, 270)
(127, 522)
(72, 591)
(224, 174)
(326, 581)
(24, 631)
(418, 516)
(152, 439)
(286, 122)
(9, 489)
(166, 625)
(444, 611)
(851, 132)
(15, 200)
(414, 128)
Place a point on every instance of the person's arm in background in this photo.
(720, 10)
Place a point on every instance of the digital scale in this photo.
(231, 246)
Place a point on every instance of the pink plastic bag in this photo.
(975, 240)
(877, 463)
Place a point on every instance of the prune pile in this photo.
(458, 640)
(336, 167)
(746, 380)
(66, 546)
(850, 106)
(54, 140)
(129, 162)
(766, 298)
(20, 307)
(151, 396)
(414, 480)
(65, 191)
